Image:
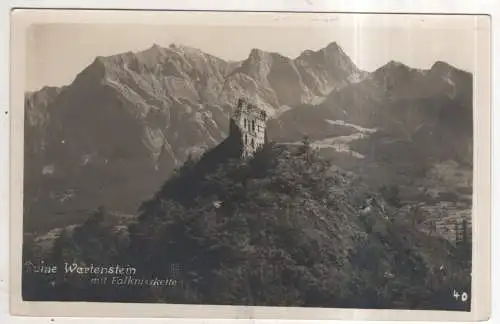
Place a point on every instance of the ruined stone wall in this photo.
(251, 122)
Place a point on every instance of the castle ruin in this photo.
(249, 125)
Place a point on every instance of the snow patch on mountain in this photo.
(357, 127)
(317, 100)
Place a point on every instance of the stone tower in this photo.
(249, 124)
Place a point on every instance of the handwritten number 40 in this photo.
(463, 297)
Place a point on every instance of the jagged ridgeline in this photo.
(281, 228)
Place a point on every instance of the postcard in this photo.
(250, 165)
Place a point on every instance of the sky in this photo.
(57, 52)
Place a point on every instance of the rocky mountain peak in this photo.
(306, 53)
(449, 80)
(156, 46)
(394, 65)
(334, 47)
(93, 73)
(445, 69)
(258, 55)
(154, 51)
(394, 72)
(331, 57)
(186, 50)
(442, 66)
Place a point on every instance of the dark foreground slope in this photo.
(283, 229)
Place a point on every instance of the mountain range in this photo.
(117, 132)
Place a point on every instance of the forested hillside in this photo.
(285, 228)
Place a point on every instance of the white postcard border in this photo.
(482, 193)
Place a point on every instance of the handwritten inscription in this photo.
(42, 267)
(116, 275)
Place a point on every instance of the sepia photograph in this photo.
(300, 161)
